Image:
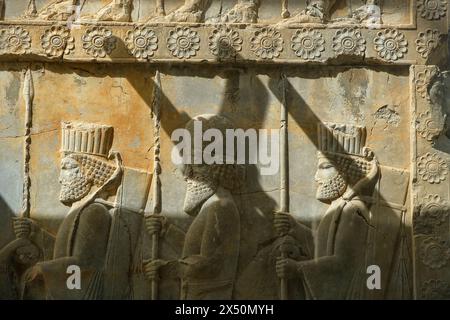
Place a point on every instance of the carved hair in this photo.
(353, 168)
(228, 176)
(95, 170)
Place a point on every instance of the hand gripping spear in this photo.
(284, 171)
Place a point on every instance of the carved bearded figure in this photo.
(209, 260)
(92, 234)
(346, 173)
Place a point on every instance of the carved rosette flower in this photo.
(349, 41)
(422, 225)
(432, 168)
(432, 213)
(225, 42)
(427, 42)
(267, 43)
(183, 43)
(435, 208)
(15, 40)
(98, 42)
(429, 215)
(142, 42)
(432, 9)
(435, 289)
(391, 44)
(308, 44)
(429, 127)
(57, 41)
(423, 81)
(434, 253)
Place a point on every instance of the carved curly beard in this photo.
(331, 189)
(199, 189)
(74, 188)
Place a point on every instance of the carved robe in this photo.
(211, 250)
(117, 10)
(190, 11)
(58, 10)
(7, 274)
(99, 243)
(339, 268)
(259, 280)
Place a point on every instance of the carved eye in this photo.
(325, 165)
(68, 165)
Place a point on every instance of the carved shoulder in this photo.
(352, 232)
(92, 233)
(220, 206)
(95, 213)
(356, 209)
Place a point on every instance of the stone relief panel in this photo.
(348, 98)
(287, 13)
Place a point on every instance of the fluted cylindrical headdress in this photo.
(342, 138)
(87, 138)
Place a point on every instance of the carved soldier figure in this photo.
(60, 10)
(117, 10)
(245, 11)
(191, 11)
(347, 171)
(95, 232)
(210, 255)
(319, 11)
(440, 109)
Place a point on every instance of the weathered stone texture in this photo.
(360, 94)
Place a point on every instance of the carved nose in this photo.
(316, 178)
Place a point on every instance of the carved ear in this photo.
(356, 189)
(368, 153)
(116, 178)
(445, 74)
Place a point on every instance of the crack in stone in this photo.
(32, 134)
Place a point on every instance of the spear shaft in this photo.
(28, 95)
(284, 172)
(160, 10)
(157, 199)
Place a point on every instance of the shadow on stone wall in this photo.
(6, 230)
(259, 256)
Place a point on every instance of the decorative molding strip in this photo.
(160, 43)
